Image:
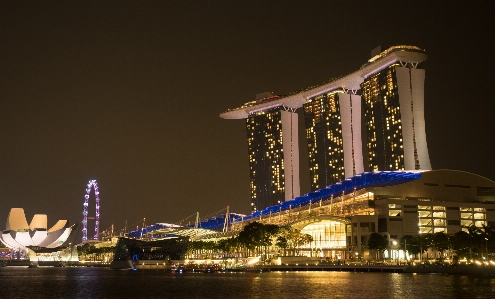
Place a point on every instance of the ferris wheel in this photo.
(94, 185)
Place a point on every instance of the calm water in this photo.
(107, 283)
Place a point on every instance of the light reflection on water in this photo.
(107, 283)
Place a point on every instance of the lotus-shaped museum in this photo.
(19, 235)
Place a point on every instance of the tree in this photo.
(377, 242)
(285, 238)
(486, 239)
(291, 238)
(461, 244)
(268, 233)
(473, 240)
(84, 250)
(236, 246)
(283, 243)
(202, 247)
(488, 236)
(258, 236)
(419, 243)
(224, 246)
(247, 237)
(409, 244)
(301, 239)
(440, 242)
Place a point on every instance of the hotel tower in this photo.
(385, 96)
(273, 154)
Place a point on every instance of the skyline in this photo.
(130, 95)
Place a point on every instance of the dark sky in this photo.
(129, 93)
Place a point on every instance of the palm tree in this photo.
(488, 236)
(475, 239)
(461, 244)
(468, 241)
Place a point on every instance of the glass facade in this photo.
(326, 235)
(472, 216)
(324, 137)
(394, 210)
(266, 166)
(383, 121)
(432, 219)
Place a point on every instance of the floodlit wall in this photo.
(410, 84)
(356, 134)
(404, 88)
(346, 121)
(39, 236)
(17, 220)
(291, 154)
(39, 221)
(59, 225)
(417, 83)
(442, 185)
(350, 111)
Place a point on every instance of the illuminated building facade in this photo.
(324, 136)
(394, 112)
(333, 133)
(19, 235)
(341, 217)
(273, 157)
(400, 196)
(391, 102)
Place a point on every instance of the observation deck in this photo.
(402, 54)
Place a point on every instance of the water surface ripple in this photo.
(107, 283)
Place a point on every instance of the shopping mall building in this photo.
(341, 217)
(378, 179)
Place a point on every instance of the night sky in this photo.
(129, 93)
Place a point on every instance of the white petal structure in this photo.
(19, 235)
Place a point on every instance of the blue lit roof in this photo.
(217, 222)
(173, 230)
(355, 183)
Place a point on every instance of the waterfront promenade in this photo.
(340, 268)
(473, 268)
(384, 268)
(451, 269)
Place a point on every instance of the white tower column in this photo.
(410, 85)
(350, 118)
(291, 154)
(418, 97)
